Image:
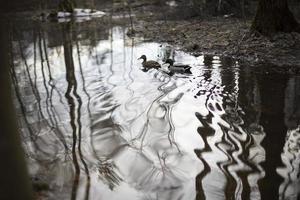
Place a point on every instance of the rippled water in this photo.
(95, 126)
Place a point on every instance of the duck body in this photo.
(182, 69)
(178, 68)
(150, 63)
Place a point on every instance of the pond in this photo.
(96, 126)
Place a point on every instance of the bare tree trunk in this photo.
(274, 16)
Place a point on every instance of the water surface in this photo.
(95, 126)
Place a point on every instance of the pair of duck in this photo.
(177, 68)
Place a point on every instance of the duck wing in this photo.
(181, 69)
(151, 64)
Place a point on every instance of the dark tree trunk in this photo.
(274, 16)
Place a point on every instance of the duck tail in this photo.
(188, 70)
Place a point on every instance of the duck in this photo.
(150, 63)
(178, 68)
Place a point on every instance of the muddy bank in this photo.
(227, 36)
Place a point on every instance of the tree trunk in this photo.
(274, 16)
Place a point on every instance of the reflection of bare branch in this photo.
(33, 135)
(46, 55)
(290, 158)
(70, 77)
(35, 75)
(52, 113)
(108, 175)
(79, 122)
(131, 32)
(199, 152)
(167, 118)
(229, 138)
(44, 79)
(36, 94)
(111, 57)
(82, 78)
(75, 118)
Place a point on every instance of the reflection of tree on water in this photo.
(103, 130)
(167, 52)
(41, 92)
(291, 160)
(50, 111)
(229, 145)
(251, 130)
(105, 139)
(139, 140)
(208, 133)
(32, 134)
(292, 105)
(249, 99)
(139, 130)
(34, 129)
(290, 155)
(272, 120)
(128, 138)
(75, 115)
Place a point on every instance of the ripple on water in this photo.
(95, 125)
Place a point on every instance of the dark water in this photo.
(95, 126)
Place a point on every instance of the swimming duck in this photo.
(178, 68)
(150, 63)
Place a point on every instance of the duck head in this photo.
(143, 57)
(169, 61)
